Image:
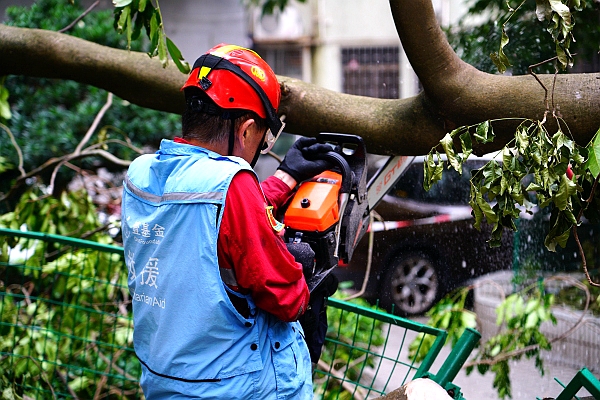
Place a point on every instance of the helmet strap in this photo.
(257, 154)
(231, 138)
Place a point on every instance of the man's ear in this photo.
(243, 133)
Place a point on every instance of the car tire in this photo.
(411, 285)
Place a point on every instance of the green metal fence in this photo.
(582, 380)
(65, 324)
(66, 330)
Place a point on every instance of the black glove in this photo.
(300, 161)
(304, 255)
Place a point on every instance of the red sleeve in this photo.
(276, 191)
(261, 262)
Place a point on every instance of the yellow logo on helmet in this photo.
(228, 48)
(258, 72)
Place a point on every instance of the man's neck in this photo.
(220, 149)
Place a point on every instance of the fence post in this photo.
(583, 378)
(457, 357)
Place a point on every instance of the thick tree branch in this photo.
(130, 75)
(462, 95)
(455, 93)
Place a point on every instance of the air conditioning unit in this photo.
(281, 25)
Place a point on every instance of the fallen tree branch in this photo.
(16, 146)
(518, 352)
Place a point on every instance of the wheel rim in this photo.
(414, 285)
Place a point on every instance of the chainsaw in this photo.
(329, 214)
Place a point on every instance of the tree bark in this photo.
(455, 93)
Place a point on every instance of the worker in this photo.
(216, 294)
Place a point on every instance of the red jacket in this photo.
(250, 245)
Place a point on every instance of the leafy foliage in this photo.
(49, 117)
(519, 318)
(449, 314)
(65, 332)
(516, 34)
(349, 335)
(533, 162)
(131, 16)
(73, 214)
(522, 314)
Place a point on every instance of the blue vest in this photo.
(185, 326)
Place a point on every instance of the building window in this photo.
(286, 61)
(372, 71)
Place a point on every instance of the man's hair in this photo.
(211, 124)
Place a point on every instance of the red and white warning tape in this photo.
(378, 226)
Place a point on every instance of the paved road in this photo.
(527, 384)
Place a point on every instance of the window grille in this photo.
(371, 71)
(286, 61)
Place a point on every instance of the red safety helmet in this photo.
(237, 78)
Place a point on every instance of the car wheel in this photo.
(411, 285)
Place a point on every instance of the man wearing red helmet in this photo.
(216, 294)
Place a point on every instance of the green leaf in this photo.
(566, 189)
(593, 162)
(129, 30)
(504, 184)
(124, 19)
(477, 213)
(561, 240)
(561, 9)
(522, 139)
(432, 171)
(468, 319)
(178, 59)
(142, 5)
(162, 50)
(121, 3)
(466, 145)
(531, 321)
(4, 105)
(560, 229)
(486, 209)
(154, 33)
(492, 174)
(499, 58)
(533, 187)
(484, 132)
(447, 144)
(562, 140)
(562, 56)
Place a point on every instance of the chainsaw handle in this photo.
(340, 161)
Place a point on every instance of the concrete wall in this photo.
(361, 23)
(348, 23)
(196, 26)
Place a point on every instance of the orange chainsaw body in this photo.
(314, 207)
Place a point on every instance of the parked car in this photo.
(432, 248)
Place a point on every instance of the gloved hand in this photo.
(304, 255)
(300, 161)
